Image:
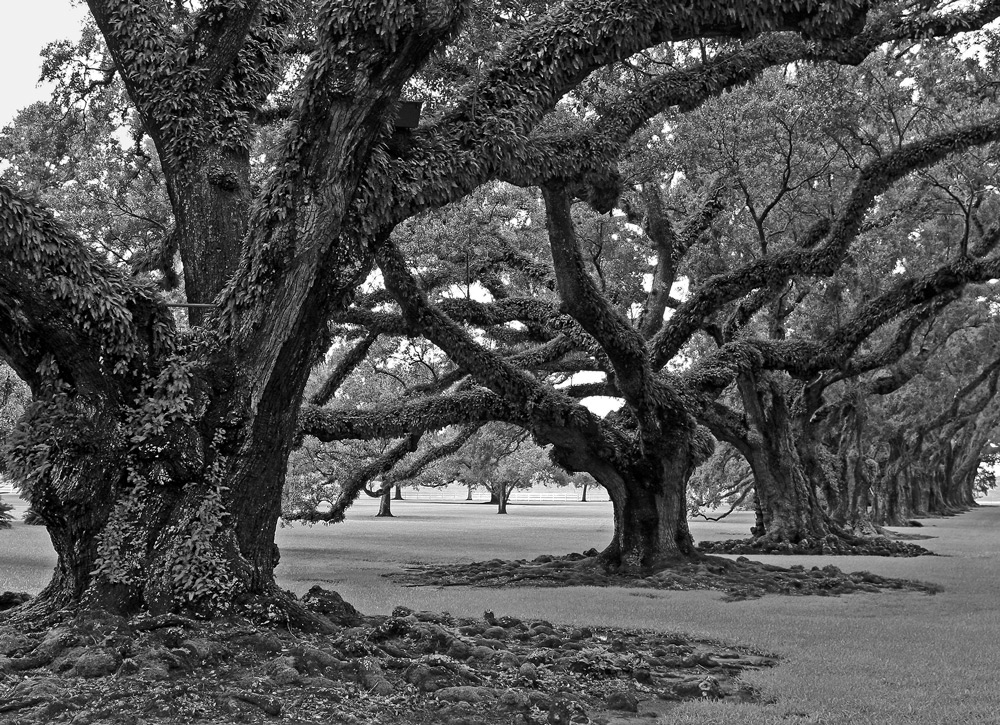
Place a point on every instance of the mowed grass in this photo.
(871, 658)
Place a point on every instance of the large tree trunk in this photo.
(75, 494)
(960, 491)
(650, 509)
(211, 201)
(790, 508)
(849, 473)
(890, 492)
(173, 505)
(161, 518)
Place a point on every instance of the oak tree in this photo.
(157, 455)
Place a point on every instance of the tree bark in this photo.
(650, 508)
(385, 503)
(790, 507)
(211, 205)
(501, 491)
(844, 481)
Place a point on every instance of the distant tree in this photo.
(788, 147)
(725, 479)
(499, 458)
(5, 517)
(570, 296)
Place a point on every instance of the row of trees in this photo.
(798, 165)
(852, 423)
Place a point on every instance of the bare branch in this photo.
(825, 259)
(344, 368)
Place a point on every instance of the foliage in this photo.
(5, 517)
(280, 184)
(724, 480)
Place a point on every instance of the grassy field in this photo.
(872, 658)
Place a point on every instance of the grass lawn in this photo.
(868, 658)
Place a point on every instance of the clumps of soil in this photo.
(417, 668)
(830, 545)
(740, 579)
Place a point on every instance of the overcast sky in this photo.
(28, 25)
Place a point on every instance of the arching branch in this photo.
(61, 303)
(344, 368)
(396, 420)
(355, 482)
(826, 258)
(517, 387)
(431, 455)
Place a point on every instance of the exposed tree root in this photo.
(740, 579)
(830, 545)
(416, 668)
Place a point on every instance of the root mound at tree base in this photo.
(417, 668)
(740, 579)
(831, 545)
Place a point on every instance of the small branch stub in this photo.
(408, 115)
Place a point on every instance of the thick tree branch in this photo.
(988, 374)
(623, 345)
(837, 348)
(433, 454)
(897, 347)
(395, 420)
(591, 151)
(516, 386)
(218, 36)
(344, 368)
(61, 304)
(825, 259)
(352, 484)
(486, 135)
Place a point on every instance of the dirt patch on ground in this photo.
(740, 579)
(412, 667)
(831, 545)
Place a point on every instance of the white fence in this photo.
(445, 494)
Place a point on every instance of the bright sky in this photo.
(27, 26)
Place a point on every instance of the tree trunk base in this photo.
(277, 607)
(740, 579)
(833, 544)
(639, 565)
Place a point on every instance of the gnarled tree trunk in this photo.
(650, 506)
(790, 508)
